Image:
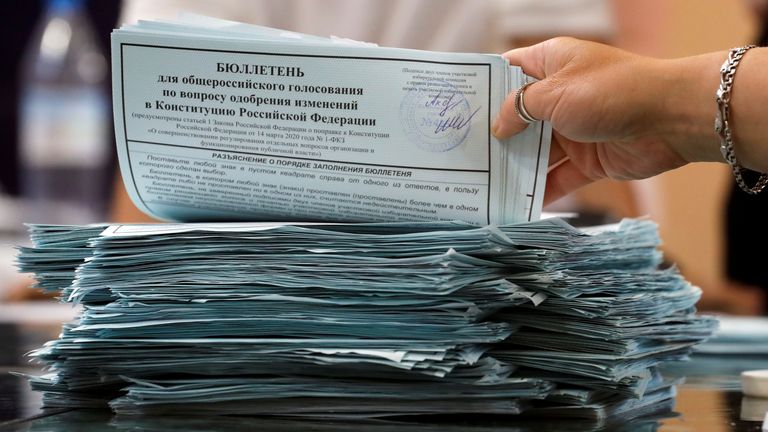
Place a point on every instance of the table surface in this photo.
(704, 403)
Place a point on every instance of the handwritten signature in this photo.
(446, 105)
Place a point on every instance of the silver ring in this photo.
(520, 105)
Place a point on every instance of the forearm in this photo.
(687, 111)
(624, 116)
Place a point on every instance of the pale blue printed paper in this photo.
(224, 121)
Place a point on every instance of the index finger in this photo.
(543, 59)
(529, 58)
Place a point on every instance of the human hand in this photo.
(608, 110)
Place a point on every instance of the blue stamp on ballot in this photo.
(436, 116)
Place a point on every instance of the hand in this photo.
(606, 109)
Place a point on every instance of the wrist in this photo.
(686, 106)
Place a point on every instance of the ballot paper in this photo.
(219, 120)
(365, 320)
(739, 344)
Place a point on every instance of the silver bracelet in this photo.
(722, 120)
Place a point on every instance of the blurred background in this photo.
(57, 162)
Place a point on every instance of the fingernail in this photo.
(499, 129)
(495, 126)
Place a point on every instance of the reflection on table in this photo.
(709, 400)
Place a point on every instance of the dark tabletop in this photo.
(706, 402)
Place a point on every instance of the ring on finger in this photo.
(520, 105)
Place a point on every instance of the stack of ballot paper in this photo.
(364, 320)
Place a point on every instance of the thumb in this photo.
(538, 100)
(543, 61)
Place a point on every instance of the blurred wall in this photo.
(688, 203)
